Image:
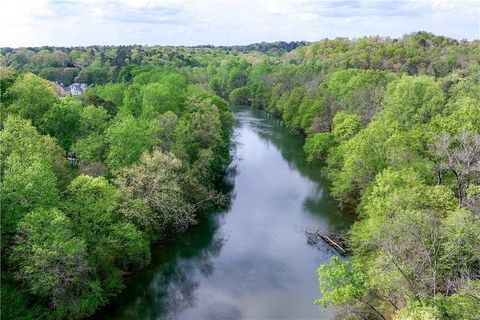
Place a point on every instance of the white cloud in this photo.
(189, 22)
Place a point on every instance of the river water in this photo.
(251, 261)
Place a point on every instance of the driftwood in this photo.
(335, 241)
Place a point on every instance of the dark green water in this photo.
(251, 261)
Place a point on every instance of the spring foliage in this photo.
(396, 123)
(143, 166)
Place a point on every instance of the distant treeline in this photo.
(100, 64)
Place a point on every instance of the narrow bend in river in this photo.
(251, 261)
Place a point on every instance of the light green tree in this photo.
(51, 260)
(33, 97)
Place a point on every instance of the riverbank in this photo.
(253, 259)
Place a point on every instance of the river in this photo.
(251, 261)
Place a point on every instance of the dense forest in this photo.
(90, 182)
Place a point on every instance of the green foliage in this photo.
(340, 283)
(127, 139)
(464, 303)
(51, 260)
(7, 78)
(112, 244)
(62, 121)
(32, 97)
(465, 117)
(93, 120)
(90, 149)
(309, 109)
(155, 180)
(318, 145)
(167, 123)
(132, 102)
(345, 126)
(28, 180)
(64, 75)
(159, 98)
(401, 149)
(27, 184)
(113, 92)
(94, 74)
(354, 164)
(201, 128)
(67, 242)
(413, 100)
(414, 239)
(15, 304)
(421, 312)
(397, 121)
(240, 96)
(289, 104)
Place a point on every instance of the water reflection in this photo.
(168, 285)
(272, 132)
(252, 260)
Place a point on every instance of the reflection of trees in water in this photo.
(228, 182)
(171, 280)
(175, 290)
(315, 202)
(167, 286)
(272, 132)
(172, 289)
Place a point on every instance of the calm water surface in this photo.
(251, 261)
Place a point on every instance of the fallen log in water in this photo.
(334, 241)
(333, 244)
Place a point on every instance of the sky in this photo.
(229, 22)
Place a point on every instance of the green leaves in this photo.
(66, 244)
(341, 283)
(28, 183)
(93, 205)
(199, 128)
(403, 156)
(28, 179)
(413, 100)
(159, 98)
(318, 145)
(32, 96)
(289, 105)
(240, 96)
(91, 202)
(51, 260)
(127, 138)
(156, 180)
(414, 240)
(62, 121)
(418, 312)
(345, 126)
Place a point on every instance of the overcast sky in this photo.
(188, 22)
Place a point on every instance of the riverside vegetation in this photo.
(396, 123)
(149, 155)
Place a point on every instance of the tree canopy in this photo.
(89, 182)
